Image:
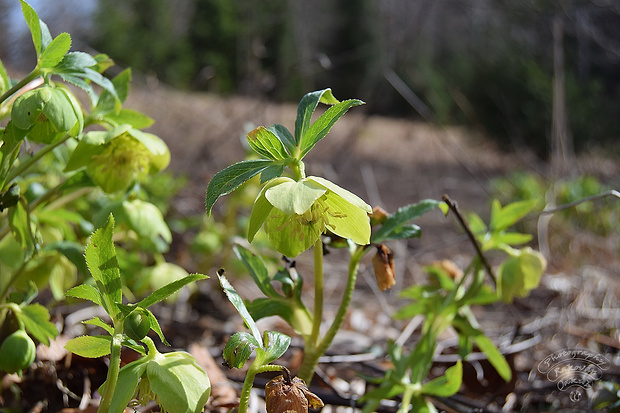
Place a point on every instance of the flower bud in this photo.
(378, 216)
(383, 263)
(292, 395)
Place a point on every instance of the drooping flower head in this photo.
(296, 213)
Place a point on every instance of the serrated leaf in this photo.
(324, 123)
(395, 221)
(55, 51)
(86, 292)
(231, 178)
(284, 135)
(169, 289)
(276, 344)
(102, 263)
(33, 22)
(306, 108)
(446, 385)
(5, 83)
(73, 62)
(90, 346)
(98, 322)
(239, 348)
(239, 305)
(257, 269)
(134, 118)
(266, 143)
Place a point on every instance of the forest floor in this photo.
(391, 163)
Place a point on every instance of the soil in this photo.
(391, 163)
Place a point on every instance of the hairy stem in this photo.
(255, 368)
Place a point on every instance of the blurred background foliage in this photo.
(488, 64)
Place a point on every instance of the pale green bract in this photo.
(174, 380)
(296, 213)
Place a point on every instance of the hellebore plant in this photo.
(174, 380)
(297, 212)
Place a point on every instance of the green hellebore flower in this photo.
(113, 159)
(174, 380)
(296, 213)
(47, 113)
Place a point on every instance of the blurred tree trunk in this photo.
(562, 155)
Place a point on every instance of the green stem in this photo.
(34, 159)
(33, 75)
(405, 404)
(318, 292)
(113, 370)
(255, 368)
(311, 356)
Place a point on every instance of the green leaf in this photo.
(169, 289)
(20, 227)
(86, 292)
(284, 136)
(271, 172)
(12, 138)
(146, 220)
(36, 320)
(231, 178)
(392, 225)
(502, 218)
(324, 123)
(520, 274)
(90, 346)
(109, 103)
(156, 327)
(237, 302)
(266, 143)
(257, 270)
(72, 250)
(74, 62)
(446, 385)
(98, 322)
(33, 22)
(5, 83)
(101, 260)
(306, 108)
(134, 118)
(276, 345)
(239, 348)
(485, 344)
(55, 51)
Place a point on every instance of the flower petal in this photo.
(289, 235)
(294, 197)
(180, 384)
(346, 195)
(347, 220)
(262, 208)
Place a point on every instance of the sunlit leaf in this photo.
(239, 305)
(276, 344)
(33, 22)
(55, 51)
(446, 385)
(266, 143)
(90, 346)
(390, 227)
(257, 269)
(239, 348)
(36, 319)
(306, 108)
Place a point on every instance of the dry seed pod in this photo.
(383, 263)
(292, 395)
(378, 216)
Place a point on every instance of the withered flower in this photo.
(383, 263)
(287, 395)
(378, 216)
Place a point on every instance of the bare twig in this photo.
(455, 210)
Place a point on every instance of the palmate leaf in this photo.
(393, 228)
(232, 177)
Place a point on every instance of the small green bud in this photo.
(137, 324)
(17, 352)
